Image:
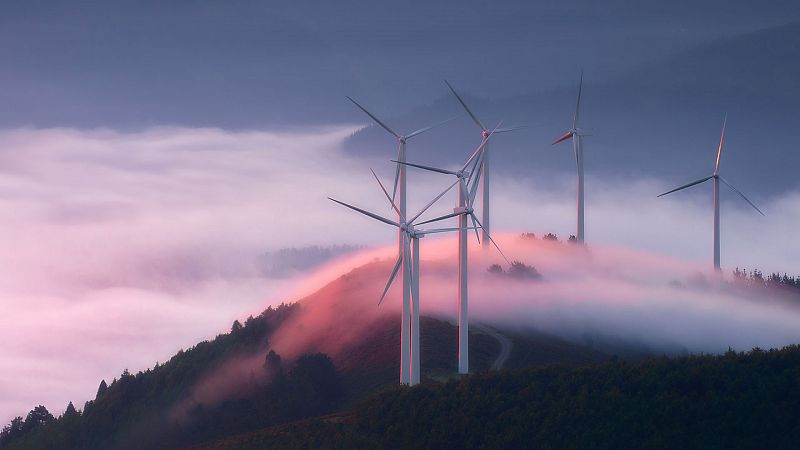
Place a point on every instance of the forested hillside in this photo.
(735, 400)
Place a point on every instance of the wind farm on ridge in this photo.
(474, 172)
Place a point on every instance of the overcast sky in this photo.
(257, 63)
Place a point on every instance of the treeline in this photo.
(517, 269)
(731, 401)
(139, 410)
(548, 237)
(756, 278)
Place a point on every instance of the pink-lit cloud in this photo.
(613, 298)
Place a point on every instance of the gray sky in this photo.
(264, 63)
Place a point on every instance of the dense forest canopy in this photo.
(731, 401)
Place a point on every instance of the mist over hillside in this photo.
(564, 307)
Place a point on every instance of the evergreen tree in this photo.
(70, 411)
(37, 417)
(101, 389)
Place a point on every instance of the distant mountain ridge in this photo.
(663, 121)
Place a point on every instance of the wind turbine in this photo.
(717, 178)
(409, 261)
(400, 180)
(577, 147)
(485, 164)
(464, 211)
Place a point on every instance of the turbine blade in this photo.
(396, 177)
(721, 137)
(391, 279)
(563, 137)
(462, 188)
(575, 144)
(432, 202)
(367, 213)
(475, 227)
(687, 185)
(475, 162)
(446, 216)
(475, 178)
(490, 239)
(432, 169)
(387, 195)
(506, 130)
(407, 256)
(578, 104)
(742, 195)
(466, 108)
(422, 130)
(378, 121)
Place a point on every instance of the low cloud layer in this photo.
(604, 293)
(121, 248)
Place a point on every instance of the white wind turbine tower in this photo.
(400, 180)
(485, 164)
(717, 178)
(577, 146)
(464, 211)
(409, 260)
